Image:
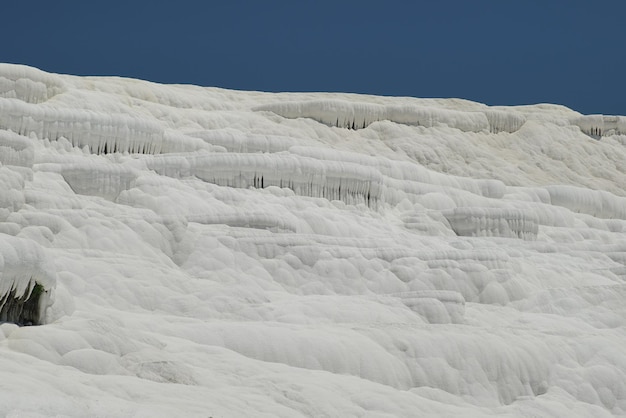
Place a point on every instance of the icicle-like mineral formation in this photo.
(27, 278)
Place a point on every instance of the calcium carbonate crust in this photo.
(207, 252)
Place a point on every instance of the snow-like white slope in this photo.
(207, 252)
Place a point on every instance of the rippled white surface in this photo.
(220, 253)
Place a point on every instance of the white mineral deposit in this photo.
(182, 251)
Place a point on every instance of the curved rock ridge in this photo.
(437, 306)
(492, 222)
(601, 125)
(102, 133)
(232, 253)
(29, 84)
(348, 182)
(16, 150)
(597, 203)
(343, 114)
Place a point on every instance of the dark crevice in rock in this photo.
(22, 310)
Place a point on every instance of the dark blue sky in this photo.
(568, 52)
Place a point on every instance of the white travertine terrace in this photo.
(206, 252)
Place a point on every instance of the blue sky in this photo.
(492, 51)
